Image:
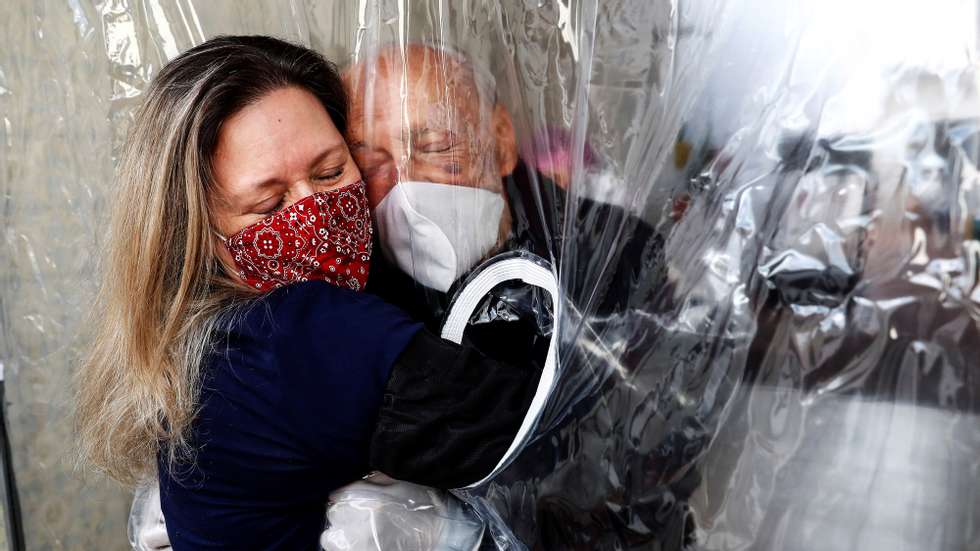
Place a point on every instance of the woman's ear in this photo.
(503, 131)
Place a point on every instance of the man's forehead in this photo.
(416, 58)
(416, 70)
(423, 115)
(419, 92)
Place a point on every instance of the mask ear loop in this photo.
(224, 241)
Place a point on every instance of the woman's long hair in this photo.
(163, 288)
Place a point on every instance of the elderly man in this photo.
(451, 196)
(439, 155)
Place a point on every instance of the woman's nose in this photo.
(301, 189)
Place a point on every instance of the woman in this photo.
(234, 354)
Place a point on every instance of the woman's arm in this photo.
(449, 413)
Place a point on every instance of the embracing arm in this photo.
(449, 413)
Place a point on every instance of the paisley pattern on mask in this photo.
(325, 236)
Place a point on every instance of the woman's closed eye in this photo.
(329, 176)
(276, 203)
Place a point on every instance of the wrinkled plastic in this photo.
(791, 363)
(147, 527)
(789, 360)
(380, 513)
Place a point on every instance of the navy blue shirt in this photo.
(289, 401)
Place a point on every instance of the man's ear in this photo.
(503, 132)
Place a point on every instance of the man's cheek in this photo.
(453, 168)
(377, 191)
(470, 169)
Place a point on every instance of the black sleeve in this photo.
(614, 268)
(449, 413)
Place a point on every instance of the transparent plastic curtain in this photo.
(762, 217)
(804, 375)
(765, 221)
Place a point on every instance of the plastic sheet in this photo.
(762, 217)
(761, 220)
(147, 527)
(381, 513)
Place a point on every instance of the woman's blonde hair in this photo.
(163, 289)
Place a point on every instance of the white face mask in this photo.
(436, 232)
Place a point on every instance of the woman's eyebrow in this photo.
(264, 183)
(333, 150)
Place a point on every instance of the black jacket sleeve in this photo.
(449, 413)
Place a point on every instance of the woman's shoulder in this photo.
(319, 299)
(325, 313)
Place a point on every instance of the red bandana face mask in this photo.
(324, 236)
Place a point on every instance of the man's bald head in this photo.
(438, 66)
(423, 113)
